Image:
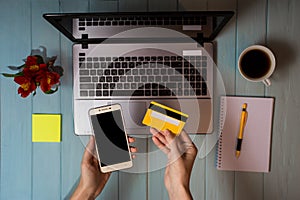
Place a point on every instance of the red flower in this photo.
(47, 80)
(27, 85)
(33, 69)
(31, 60)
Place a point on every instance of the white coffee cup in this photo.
(257, 63)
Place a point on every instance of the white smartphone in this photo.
(111, 139)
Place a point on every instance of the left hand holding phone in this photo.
(92, 180)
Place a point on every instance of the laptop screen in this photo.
(96, 27)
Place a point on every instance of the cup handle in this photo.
(267, 82)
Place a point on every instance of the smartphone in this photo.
(112, 146)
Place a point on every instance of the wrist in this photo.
(82, 194)
(181, 192)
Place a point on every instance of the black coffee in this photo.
(255, 64)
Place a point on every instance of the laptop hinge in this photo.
(200, 39)
(84, 44)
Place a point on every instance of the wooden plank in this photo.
(133, 183)
(72, 148)
(192, 5)
(251, 29)
(166, 5)
(157, 162)
(198, 176)
(224, 56)
(104, 6)
(133, 5)
(15, 127)
(283, 39)
(45, 156)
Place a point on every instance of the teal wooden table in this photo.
(51, 170)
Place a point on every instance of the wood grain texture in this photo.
(166, 5)
(51, 171)
(133, 5)
(16, 148)
(71, 147)
(282, 38)
(219, 184)
(192, 5)
(46, 173)
(249, 32)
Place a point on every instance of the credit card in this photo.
(162, 117)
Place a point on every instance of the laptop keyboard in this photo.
(163, 76)
(140, 21)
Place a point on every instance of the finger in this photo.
(158, 135)
(160, 145)
(170, 138)
(133, 149)
(185, 137)
(168, 135)
(133, 156)
(89, 149)
(131, 139)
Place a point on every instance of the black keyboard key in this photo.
(107, 72)
(154, 92)
(165, 93)
(105, 85)
(102, 79)
(99, 86)
(204, 89)
(116, 79)
(147, 92)
(105, 92)
(114, 72)
(98, 93)
(127, 93)
(124, 65)
(112, 85)
(121, 72)
(138, 93)
(131, 65)
(108, 79)
(117, 65)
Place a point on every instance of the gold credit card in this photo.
(162, 117)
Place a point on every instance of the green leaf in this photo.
(16, 68)
(52, 91)
(12, 75)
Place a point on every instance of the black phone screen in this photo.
(110, 138)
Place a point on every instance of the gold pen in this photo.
(243, 120)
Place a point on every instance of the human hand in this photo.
(181, 153)
(92, 180)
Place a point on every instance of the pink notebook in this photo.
(255, 150)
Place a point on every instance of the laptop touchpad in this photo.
(133, 113)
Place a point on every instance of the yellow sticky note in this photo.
(46, 127)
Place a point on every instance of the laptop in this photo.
(135, 58)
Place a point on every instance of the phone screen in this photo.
(110, 138)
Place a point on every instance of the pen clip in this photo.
(245, 119)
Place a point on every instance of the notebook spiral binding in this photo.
(220, 135)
